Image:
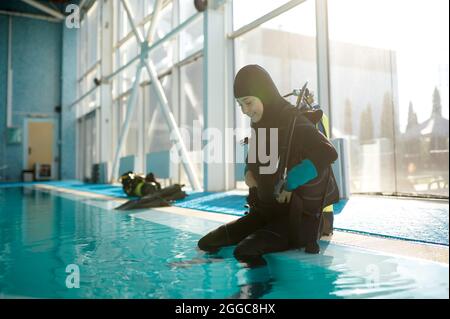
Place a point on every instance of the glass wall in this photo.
(191, 111)
(87, 145)
(163, 57)
(285, 46)
(88, 71)
(130, 146)
(191, 39)
(245, 11)
(388, 80)
(389, 93)
(184, 90)
(88, 60)
(157, 132)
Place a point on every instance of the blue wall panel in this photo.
(36, 62)
(3, 80)
(68, 95)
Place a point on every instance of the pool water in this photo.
(149, 254)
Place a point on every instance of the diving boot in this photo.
(312, 248)
(309, 232)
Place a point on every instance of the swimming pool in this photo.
(150, 254)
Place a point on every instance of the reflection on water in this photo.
(124, 257)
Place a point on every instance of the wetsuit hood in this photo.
(253, 80)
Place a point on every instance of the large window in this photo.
(389, 93)
(184, 90)
(388, 81)
(191, 39)
(245, 11)
(157, 132)
(130, 146)
(88, 60)
(286, 47)
(163, 56)
(88, 71)
(87, 145)
(191, 110)
(139, 9)
(126, 47)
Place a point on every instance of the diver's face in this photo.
(252, 107)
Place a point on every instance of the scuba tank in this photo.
(281, 185)
(323, 126)
(135, 185)
(308, 221)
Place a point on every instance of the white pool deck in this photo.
(410, 249)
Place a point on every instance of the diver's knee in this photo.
(312, 248)
(243, 252)
(249, 256)
(203, 243)
(213, 240)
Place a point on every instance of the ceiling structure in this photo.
(45, 9)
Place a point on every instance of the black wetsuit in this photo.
(271, 226)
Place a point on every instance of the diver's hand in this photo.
(250, 180)
(284, 197)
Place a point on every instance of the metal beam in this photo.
(82, 3)
(218, 110)
(140, 164)
(323, 62)
(147, 19)
(155, 45)
(164, 103)
(85, 95)
(156, 84)
(44, 8)
(92, 68)
(175, 31)
(157, 8)
(124, 132)
(134, 93)
(155, 18)
(170, 119)
(123, 67)
(273, 14)
(9, 94)
(130, 17)
(29, 15)
(106, 43)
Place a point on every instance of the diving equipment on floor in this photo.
(160, 198)
(135, 185)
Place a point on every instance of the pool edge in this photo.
(399, 247)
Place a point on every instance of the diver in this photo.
(292, 217)
(323, 126)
